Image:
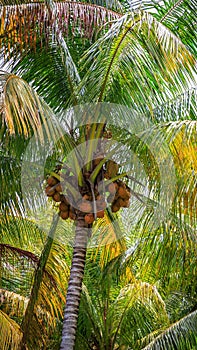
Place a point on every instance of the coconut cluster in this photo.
(54, 189)
(119, 196)
(88, 201)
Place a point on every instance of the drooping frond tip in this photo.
(22, 25)
(21, 111)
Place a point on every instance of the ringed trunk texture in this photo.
(75, 286)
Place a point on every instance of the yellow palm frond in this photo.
(108, 239)
(19, 105)
(10, 334)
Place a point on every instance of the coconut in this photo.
(100, 214)
(99, 197)
(123, 203)
(64, 215)
(72, 214)
(89, 218)
(110, 198)
(85, 206)
(50, 191)
(106, 175)
(58, 187)
(96, 161)
(123, 193)
(52, 181)
(101, 204)
(63, 206)
(87, 197)
(64, 199)
(112, 168)
(115, 207)
(57, 197)
(126, 203)
(112, 187)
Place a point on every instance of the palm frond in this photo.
(140, 58)
(10, 334)
(47, 291)
(17, 268)
(107, 318)
(21, 233)
(181, 136)
(108, 238)
(179, 108)
(180, 335)
(19, 106)
(13, 304)
(37, 23)
(71, 68)
(114, 5)
(177, 15)
(48, 75)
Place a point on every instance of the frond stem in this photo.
(112, 60)
(170, 10)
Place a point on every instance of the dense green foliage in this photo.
(139, 292)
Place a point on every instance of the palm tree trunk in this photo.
(75, 285)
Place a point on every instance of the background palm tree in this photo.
(138, 47)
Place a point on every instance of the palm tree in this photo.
(137, 45)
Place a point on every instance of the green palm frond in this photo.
(139, 59)
(48, 75)
(181, 136)
(181, 335)
(39, 282)
(45, 304)
(129, 304)
(21, 233)
(17, 268)
(107, 318)
(108, 238)
(10, 334)
(181, 107)
(177, 15)
(71, 68)
(30, 29)
(24, 115)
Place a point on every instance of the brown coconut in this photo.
(100, 214)
(52, 181)
(58, 187)
(123, 193)
(115, 207)
(101, 204)
(110, 198)
(50, 191)
(87, 197)
(63, 206)
(85, 207)
(57, 197)
(64, 215)
(89, 218)
(64, 199)
(72, 214)
(112, 187)
(123, 203)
